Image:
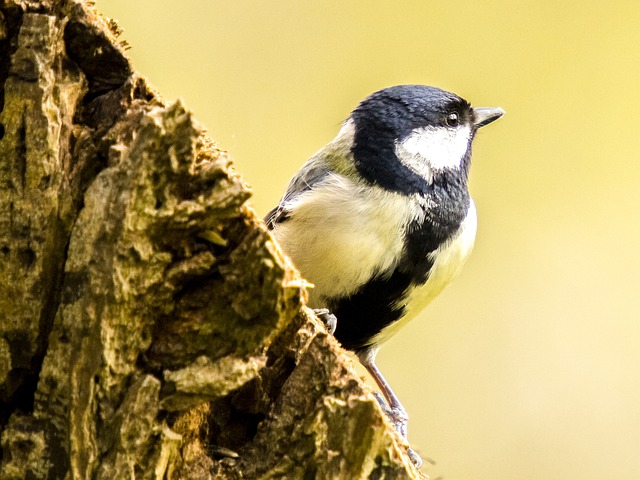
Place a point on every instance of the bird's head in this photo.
(405, 136)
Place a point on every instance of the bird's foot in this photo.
(329, 319)
(414, 457)
(399, 418)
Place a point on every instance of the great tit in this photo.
(380, 220)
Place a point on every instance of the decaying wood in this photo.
(149, 325)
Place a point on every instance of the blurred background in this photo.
(528, 366)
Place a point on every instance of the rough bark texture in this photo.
(149, 325)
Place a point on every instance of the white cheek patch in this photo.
(429, 149)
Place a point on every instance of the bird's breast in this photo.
(342, 234)
(446, 262)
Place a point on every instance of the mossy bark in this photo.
(149, 325)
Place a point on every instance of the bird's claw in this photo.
(414, 457)
(329, 319)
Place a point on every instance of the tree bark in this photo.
(150, 327)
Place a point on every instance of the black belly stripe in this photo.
(372, 308)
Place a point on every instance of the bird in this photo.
(380, 220)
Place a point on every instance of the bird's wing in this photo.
(312, 173)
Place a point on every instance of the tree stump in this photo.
(150, 327)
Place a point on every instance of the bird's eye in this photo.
(452, 119)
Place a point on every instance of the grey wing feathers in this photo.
(273, 217)
(311, 173)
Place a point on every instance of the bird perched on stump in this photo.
(380, 220)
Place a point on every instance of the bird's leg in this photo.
(383, 405)
(329, 319)
(393, 408)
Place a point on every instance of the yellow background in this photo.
(528, 367)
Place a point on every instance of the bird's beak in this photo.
(484, 116)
